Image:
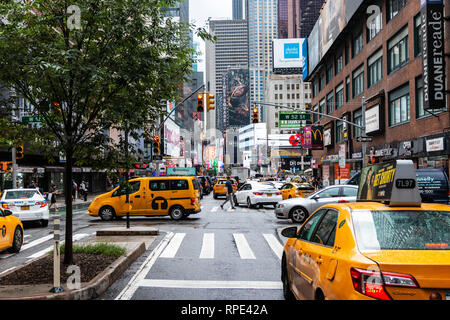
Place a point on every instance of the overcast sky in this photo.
(200, 11)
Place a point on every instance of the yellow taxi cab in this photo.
(295, 190)
(11, 237)
(391, 248)
(176, 196)
(221, 190)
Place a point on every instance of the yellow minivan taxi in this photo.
(175, 196)
(11, 228)
(369, 251)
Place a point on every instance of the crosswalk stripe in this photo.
(274, 244)
(242, 245)
(207, 246)
(172, 247)
(208, 284)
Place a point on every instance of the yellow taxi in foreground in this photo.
(295, 190)
(11, 237)
(393, 248)
(221, 190)
(176, 196)
(369, 251)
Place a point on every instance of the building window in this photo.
(339, 64)
(358, 81)
(339, 95)
(375, 68)
(394, 7)
(417, 35)
(321, 108)
(330, 108)
(329, 73)
(347, 89)
(357, 119)
(357, 44)
(399, 111)
(375, 25)
(398, 51)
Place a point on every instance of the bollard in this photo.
(56, 257)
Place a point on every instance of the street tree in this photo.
(88, 68)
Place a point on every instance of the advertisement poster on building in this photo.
(238, 97)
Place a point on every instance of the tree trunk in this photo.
(68, 251)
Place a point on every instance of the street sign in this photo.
(364, 139)
(32, 119)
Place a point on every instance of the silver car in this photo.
(298, 209)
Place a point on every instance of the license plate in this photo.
(447, 295)
(269, 194)
(25, 207)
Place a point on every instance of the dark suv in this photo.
(433, 185)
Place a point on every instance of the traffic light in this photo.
(200, 107)
(371, 159)
(209, 102)
(19, 151)
(255, 116)
(156, 144)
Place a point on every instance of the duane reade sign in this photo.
(433, 55)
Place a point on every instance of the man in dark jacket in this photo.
(229, 187)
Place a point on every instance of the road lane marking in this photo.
(173, 246)
(38, 254)
(129, 290)
(207, 246)
(242, 245)
(205, 284)
(274, 244)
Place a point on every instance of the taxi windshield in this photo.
(402, 230)
(20, 194)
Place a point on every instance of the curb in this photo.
(96, 286)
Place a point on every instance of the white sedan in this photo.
(26, 204)
(256, 193)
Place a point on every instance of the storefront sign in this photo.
(373, 119)
(435, 144)
(433, 56)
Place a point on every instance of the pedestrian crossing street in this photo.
(243, 247)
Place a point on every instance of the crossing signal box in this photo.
(255, 116)
(200, 106)
(372, 159)
(209, 102)
(156, 144)
(19, 151)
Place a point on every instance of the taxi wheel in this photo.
(298, 214)
(17, 241)
(177, 213)
(106, 213)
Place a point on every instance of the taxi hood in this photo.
(430, 268)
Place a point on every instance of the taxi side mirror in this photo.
(290, 232)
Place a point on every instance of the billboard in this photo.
(288, 56)
(434, 96)
(238, 97)
(333, 19)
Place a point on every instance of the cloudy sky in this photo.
(200, 11)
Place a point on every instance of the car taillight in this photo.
(372, 283)
(258, 193)
(41, 203)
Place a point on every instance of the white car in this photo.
(26, 204)
(255, 193)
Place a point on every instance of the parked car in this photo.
(298, 209)
(26, 204)
(433, 185)
(255, 193)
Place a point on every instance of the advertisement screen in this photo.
(288, 54)
(238, 97)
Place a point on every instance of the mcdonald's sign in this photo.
(313, 137)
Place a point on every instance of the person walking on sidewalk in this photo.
(229, 187)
